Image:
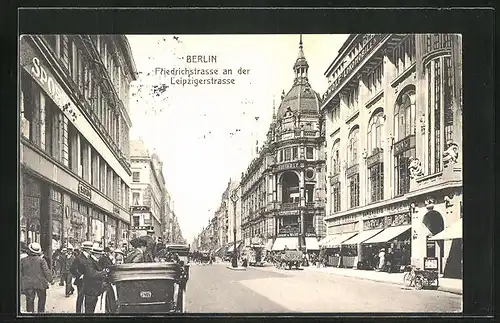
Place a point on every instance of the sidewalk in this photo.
(445, 284)
(57, 303)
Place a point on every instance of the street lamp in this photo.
(234, 198)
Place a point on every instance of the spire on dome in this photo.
(300, 67)
(274, 109)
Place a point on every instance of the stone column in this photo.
(46, 221)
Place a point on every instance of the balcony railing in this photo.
(370, 43)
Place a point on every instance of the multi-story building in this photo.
(393, 111)
(283, 189)
(74, 122)
(148, 190)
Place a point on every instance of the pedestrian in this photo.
(119, 256)
(137, 253)
(82, 260)
(381, 259)
(24, 250)
(93, 278)
(35, 278)
(67, 260)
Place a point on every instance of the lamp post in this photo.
(234, 198)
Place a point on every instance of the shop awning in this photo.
(269, 245)
(312, 243)
(388, 234)
(323, 241)
(290, 243)
(452, 232)
(361, 237)
(337, 239)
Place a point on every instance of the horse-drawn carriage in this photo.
(289, 259)
(155, 287)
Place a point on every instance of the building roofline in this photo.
(341, 53)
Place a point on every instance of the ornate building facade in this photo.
(283, 189)
(393, 111)
(148, 190)
(74, 156)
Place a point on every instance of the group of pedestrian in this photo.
(86, 269)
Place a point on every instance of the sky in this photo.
(206, 134)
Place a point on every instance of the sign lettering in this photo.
(85, 191)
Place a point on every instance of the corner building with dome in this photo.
(283, 188)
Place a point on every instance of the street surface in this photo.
(217, 289)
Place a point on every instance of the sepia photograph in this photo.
(240, 173)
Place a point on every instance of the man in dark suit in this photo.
(35, 278)
(93, 279)
(77, 270)
(67, 260)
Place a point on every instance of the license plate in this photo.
(145, 294)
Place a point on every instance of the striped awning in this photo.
(338, 239)
(388, 234)
(362, 237)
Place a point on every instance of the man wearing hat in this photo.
(78, 269)
(67, 260)
(35, 278)
(93, 279)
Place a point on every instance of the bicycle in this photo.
(414, 277)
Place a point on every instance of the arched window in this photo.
(375, 132)
(404, 148)
(352, 147)
(405, 115)
(375, 162)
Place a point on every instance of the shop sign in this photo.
(373, 213)
(289, 166)
(288, 234)
(397, 219)
(288, 212)
(377, 223)
(31, 61)
(430, 263)
(84, 190)
(404, 145)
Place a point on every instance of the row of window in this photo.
(147, 219)
(89, 82)
(43, 124)
(439, 112)
(292, 153)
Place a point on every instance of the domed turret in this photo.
(301, 98)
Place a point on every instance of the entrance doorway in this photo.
(434, 223)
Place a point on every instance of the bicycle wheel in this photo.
(408, 279)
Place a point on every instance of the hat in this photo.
(70, 248)
(35, 248)
(87, 245)
(119, 251)
(64, 249)
(97, 250)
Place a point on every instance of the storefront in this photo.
(394, 238)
